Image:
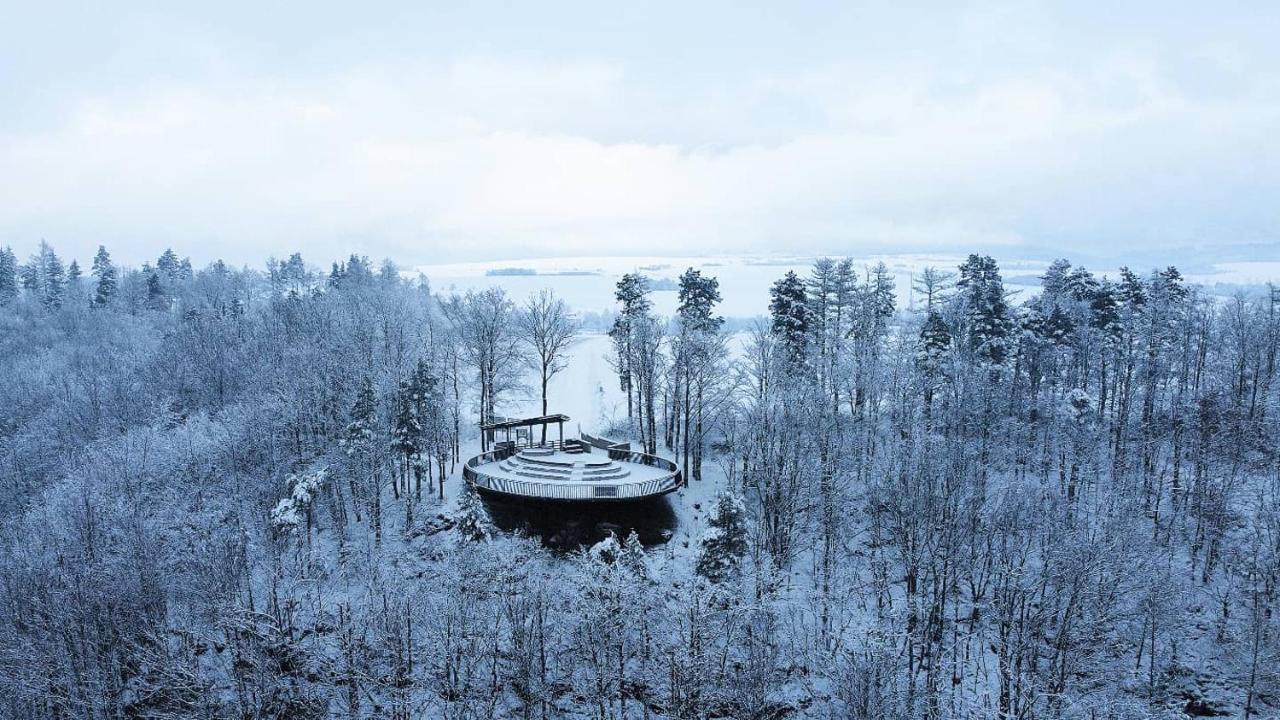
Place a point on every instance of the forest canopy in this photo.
(234, 493)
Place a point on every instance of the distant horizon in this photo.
(1197, 258)
(587, 283)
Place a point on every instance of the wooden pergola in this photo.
(488, 429)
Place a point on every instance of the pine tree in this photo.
(473, 523)
(156, 298)
(1063, 305)
(632, 294)
(108, 279)
(358, 271)
(880, 295)
(8, 276)
(986, 312)
(1058, 326)
(931, 359)
(1104, 310)
(724, 543)
(1132, 293)
(1081, 285)
(29, 276)
(698, 296)
(1053, 283)
(408, 428)
(695, 352)
(169, 266)
(935, 342)
(789, 308)
(337, 275)
(50, 276)
(360, 429)
(846, 292)
(821, 290)
(1168, 284)
(406, 438)
(429, 409)
(634, 559)
(388, 272)
(358, 443)
(294, 275)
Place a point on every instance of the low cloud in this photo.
(494, 156)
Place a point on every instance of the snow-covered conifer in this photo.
(724, 543)
(634, 559)
(789, 308)
(108, 278)
(8, 276)
(473, 523)
(157, 298)
(987, 316)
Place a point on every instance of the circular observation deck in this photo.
(572, 471)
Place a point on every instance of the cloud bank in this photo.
(1003, 129)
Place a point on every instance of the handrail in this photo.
(622, 452)
(619, 452)
(639, 458)
(468, 468)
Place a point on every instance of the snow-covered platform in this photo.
(572, 471)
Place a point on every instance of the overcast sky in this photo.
(433, 132)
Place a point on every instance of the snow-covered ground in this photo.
(587, 390)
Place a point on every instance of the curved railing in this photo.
(671, 480)
(639, 458)
(622, 452)
(468, 468)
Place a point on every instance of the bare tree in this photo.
(484, 323)
(549, 329)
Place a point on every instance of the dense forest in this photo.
(236, 493)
